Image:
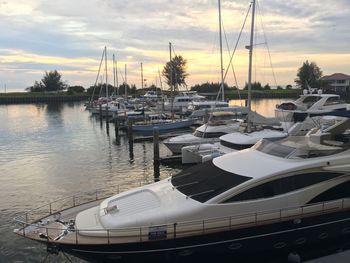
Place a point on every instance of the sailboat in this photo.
(256, 127)
(160, 121)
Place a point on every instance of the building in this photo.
(337, 82)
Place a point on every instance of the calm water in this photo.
(49, 151)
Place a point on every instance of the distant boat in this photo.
(161, 122)
(220, 123)
(309, 104)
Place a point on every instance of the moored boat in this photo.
(294, 198)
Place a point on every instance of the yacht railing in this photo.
(31, 221)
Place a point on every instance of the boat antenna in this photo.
(250, 66)
(221, 59)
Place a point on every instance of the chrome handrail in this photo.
(196, 227)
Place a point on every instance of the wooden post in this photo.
(100, 111)
(116, 127)
(130, 134)
(156, 146)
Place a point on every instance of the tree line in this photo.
(309, 75)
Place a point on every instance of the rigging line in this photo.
(266, 43)
(239, 37)
(261, 12)
(233, 69)
(98, 74)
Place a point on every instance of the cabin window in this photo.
(272, 148)
(311, 99)
(332, 101)
(205, 181)
(282, 186)
(208, 134)
(339, 191)
(235, 146)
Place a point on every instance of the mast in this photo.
(116, 76)
(141, 76)
(106, 74)
(250, 65)
(125, 86)
(221, 59)
(115, 93)
(171, 82)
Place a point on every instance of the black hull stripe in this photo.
(209, 244)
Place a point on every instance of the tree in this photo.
(75, 89)
(267, 87)
(175, 72)
(309, 75)
(52, 81)
(37, 87)
(289, 86)
(255, 86)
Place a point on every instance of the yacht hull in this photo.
(308, 237)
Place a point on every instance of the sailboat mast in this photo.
(251, 56)
(221, 59)
(171, 82)
(125, 86)
(116, 76)
(106, 72)
(250, 65)
(141, 76)
(115, 93)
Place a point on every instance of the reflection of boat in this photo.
(293, 198)
(161, 122)
(309, 104)
(220, 123)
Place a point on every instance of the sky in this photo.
(69, 36)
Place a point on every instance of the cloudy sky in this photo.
(69, 35)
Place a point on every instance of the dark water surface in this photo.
(48, 151)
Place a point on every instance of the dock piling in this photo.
(156, 146)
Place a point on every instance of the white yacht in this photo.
(110, 108)
(272, 199)
(309, 104)
(181, 101)
(260, 127)
(219, 123)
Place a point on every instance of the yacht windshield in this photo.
(205, 181)
(272, 148)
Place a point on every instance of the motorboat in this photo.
(219, 123)
(181, 101)
(309, 104)
(110, 108)
(260, 127)
(161, 122)
(270, 200)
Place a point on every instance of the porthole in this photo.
(279, 245)
(235, 246)
(300, 241)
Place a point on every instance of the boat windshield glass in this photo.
(205, 181)
(273, 148)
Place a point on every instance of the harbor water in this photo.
(48, 151)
